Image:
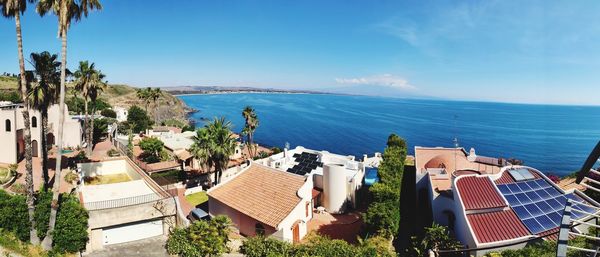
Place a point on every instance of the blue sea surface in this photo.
(554, 139)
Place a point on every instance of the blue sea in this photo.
(554, 139)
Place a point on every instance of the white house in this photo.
(12, 125)
(263, 200)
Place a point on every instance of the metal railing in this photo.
(123, 202)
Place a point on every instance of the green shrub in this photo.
(201, 238)
(14, 215)
(70, 234)
(260, 246)
(71, 177)
(321, 246)
(152, 148)
(382, 218)
(108, 113)
(381, 192)
(42, 212)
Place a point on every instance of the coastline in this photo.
(257, 92)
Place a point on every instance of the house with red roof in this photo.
(492, 205)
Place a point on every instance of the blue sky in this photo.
(511, 51)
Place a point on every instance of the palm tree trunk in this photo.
(27, 135)
(91, 132)
(45, 146)
(47, 243)
(86, 125)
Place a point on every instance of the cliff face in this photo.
(166, 107)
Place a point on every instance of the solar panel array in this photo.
(306, 163)
(538, 204)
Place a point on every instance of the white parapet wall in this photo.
(111, 167)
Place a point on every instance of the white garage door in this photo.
(132, 232)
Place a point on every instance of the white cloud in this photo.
(387, 80)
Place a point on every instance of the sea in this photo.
(552, 138)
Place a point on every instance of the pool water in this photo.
(371, 176)
(66, 151)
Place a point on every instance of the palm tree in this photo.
(44, 93)
(222, 145)
(154, 94)
(97, 85)
(145, 95)
(14, 9)
(200, 150)
(66, 11)
(86, 77)
(251, 124)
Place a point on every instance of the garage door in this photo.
(132, 232)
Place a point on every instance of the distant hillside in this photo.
(168, 106)
(182, 90)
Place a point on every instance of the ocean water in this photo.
(553, 139)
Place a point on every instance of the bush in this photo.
(202, 238)
(109, 113)
(71, 177)
(42, 212)
(14, 215)
(382, 218)
(260, 246)
(70, 234)
(113, 153)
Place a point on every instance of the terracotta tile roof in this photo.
(496, 226)
(478, 193)
(264, 194)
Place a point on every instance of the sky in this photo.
(508, 51)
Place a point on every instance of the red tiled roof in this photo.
(263, 193)
(478, 193)
(504, 179)
(496, 226)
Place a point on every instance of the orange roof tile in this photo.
(263, 193)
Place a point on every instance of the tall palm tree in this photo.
(145, 95)
(66, 11)
(14, 9)
(222, 145)
(84, 79)
(200, 150)
(251, 124)
(44, 93)
(97, 85)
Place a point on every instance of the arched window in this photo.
(33, 122)
(8, 126)
(259, 229)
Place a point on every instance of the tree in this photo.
(66, 11)
(14, 9)
(152, 147)
(435, 238)
(138, 119)
(201, 151)
(43, 94)
(88, 81)
(260, 246)
(250, 126)
(96, 87)
(222, 145)
(201, 238)
(145, 95)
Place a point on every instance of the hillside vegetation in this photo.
(167, 106)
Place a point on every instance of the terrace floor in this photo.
(337, 226)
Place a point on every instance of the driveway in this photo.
(147, 247)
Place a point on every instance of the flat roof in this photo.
(106, 192)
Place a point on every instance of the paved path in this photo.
(154, 247)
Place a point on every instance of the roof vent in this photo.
(472, 156)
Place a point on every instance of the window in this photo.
(8, 126)
(259, 229)
(33, 122)
(307, 208)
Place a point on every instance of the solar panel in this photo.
(504, 189)
(296, 155)
(539, 205)
(516, 175)
(525, 173)
(533, 225)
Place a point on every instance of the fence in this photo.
(123, 202)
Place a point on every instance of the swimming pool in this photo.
(371, 176)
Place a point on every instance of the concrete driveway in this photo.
(154, 247)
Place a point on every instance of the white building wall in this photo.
(298, 214)
(8, 139)
(334, 188)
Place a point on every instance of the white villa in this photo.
(336, 178)
(12, 125)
